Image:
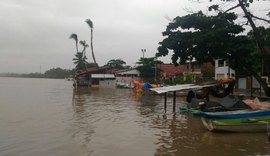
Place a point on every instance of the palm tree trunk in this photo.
(77, 47)
(92, 48)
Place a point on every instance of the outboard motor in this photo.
(191, 94)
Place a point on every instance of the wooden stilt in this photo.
(165, 101)
(174, 100)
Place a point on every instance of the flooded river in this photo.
(47, 117)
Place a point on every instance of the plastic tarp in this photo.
(146, 86)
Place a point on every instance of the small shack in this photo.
(95, 77)
(124, 77)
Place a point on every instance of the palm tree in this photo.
(90, 24)
(85, 45)
(80, 61)
(75, 37)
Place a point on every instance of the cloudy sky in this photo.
(35, 33)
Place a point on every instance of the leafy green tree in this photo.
(258, 33)
(91, 26)
(200, 36)
(57, 73)
(208, 71)
(119, 63)
(206, 38)
(147, 67)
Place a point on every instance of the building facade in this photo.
(124, 77)
(222, 70)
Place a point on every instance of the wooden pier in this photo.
(174, 89)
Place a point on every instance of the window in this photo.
(220, 63)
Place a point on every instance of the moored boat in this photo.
(253, 124)
(229, 103)
(237, 114)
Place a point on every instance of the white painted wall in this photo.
(219, 71)
(125, 78)
(126, 81)
(242, 83)
(107, 83)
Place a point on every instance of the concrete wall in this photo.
(126, 81)
(222, 71)
(107, 83)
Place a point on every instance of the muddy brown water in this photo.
(41, 117)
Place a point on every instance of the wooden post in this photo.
(165, 101)
(268, 131)
(174, 100)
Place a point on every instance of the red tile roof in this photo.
(171, 69)
(98, 70)
(90, 70)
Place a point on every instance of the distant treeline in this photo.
(56, 73)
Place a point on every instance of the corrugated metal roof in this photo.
(129, 72)
(161, 90)
(103, 76)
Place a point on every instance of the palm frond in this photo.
(74, 36)
(90, 23)
(82, 43)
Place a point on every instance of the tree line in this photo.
(54, 73)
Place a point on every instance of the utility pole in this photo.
(156, 72)
(228, 64)
(143, 51)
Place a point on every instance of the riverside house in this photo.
(124, 77)
(96, 77)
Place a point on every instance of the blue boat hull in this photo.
(237, 114)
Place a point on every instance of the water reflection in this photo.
(79, 98)
(183, 134)
(81, 127)
(100, 121)
(107, 116)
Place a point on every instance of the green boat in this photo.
(252, 124)
(185, 108)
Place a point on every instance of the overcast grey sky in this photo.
(35, 33)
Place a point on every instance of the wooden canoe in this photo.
(253, 124)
